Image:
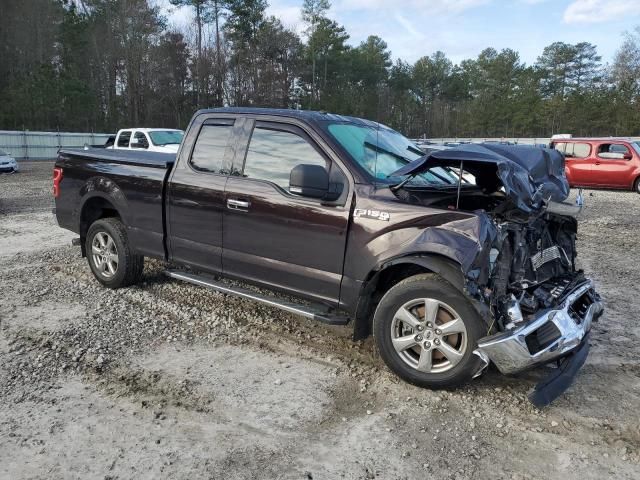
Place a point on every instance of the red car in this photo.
(601, 162)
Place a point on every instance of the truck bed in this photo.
(132, 181)
(130, 157)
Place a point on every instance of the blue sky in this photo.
(462, 28)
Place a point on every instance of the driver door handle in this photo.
(234, 204)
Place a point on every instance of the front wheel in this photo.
(636, 186)
(426, 331)
(110, 256)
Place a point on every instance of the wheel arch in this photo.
(393, 271)
(95, 207)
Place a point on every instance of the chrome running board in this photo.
(308, 311)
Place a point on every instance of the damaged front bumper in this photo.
(551, 335)
(558, 334)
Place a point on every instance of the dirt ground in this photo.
(168, 380)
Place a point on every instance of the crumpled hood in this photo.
(530, 176)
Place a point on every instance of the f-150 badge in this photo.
(373, 214)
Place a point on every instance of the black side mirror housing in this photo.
(309, 181)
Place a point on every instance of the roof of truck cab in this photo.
(311, 116)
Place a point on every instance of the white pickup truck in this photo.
(165, 140)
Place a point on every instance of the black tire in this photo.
(429, 286)
(636, 186)
(129, 265)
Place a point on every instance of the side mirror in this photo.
(627, 156)
(309, 181)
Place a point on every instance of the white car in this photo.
(7, 163)
(164, 140)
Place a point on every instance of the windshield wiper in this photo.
(398, 186)
(415, 150)
(380, 149)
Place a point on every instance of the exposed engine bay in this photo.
(534, 267)
(531, 263)
(517, 252)
(532, 258)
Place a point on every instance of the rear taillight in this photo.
(57, 177)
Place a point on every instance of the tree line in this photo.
(99, 65)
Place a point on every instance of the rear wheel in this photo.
(636, 185)
(110, 256)
(426, 331)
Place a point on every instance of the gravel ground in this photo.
(168, 380)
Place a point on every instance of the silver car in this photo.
(7, 163)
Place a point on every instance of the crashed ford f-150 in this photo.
(451, 260)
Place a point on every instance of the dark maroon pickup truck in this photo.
(452, 260)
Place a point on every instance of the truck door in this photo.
(195, 197)
(274, 237)
(613, 165)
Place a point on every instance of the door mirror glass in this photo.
(309, 181)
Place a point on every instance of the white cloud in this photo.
(433, 7)
(289, 15)
(408, 26)
(596, 11)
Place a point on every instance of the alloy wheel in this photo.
(105, 254)
(429, 335)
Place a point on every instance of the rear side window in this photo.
(123, 139)
(574, 149)
(208, 152)
(581, 150)
(272, 154)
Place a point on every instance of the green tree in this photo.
(370, 63)
(203, 15)
(625, 78)
(313, 12)
(430, 80)
(244, 21)
(330, 40)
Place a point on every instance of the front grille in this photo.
(578, 309)
(542, 337)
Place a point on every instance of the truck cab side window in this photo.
(123, 139)
(208, 152)
(140, 141)
(272, 155)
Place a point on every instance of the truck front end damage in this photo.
(538, 306)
